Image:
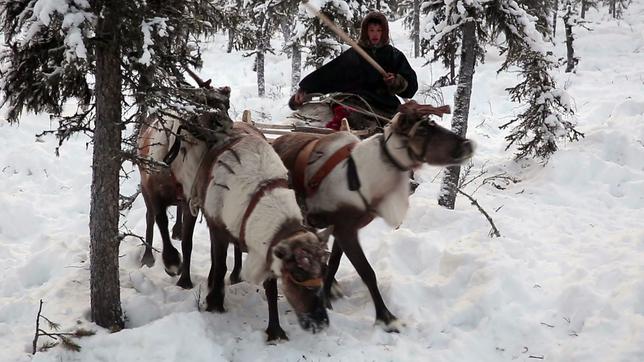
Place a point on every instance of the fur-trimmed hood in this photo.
(374, 17)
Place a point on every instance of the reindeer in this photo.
(345, 183)
(242, 189)
(160, 188)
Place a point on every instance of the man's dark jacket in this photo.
(350, 73)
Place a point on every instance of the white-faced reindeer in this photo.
(242, 189)
(345, 182)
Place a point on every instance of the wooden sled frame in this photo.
(281, 129)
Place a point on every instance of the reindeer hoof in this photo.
(275, 335)
(147, 260)
(216, 308)
(184, 283)
(215, 303)
(393, 326)
(176, 232)
(234, 279)
(336, 291)
(173, 270)
(172, 262)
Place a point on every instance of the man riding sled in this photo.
(368, 97)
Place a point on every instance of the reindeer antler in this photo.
(198, 79)
(412, 108)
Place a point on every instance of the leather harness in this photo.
(262, 189)
(302, 161)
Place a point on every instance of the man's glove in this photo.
(298, 99)
(395, 82)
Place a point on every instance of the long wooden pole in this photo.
(339, 32)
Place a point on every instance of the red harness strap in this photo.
(262, 189)
(340, 155)
(309, 188)
(301, 161)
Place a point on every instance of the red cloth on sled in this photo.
(339, 112)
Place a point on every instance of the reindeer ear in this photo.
(324, 235)
(282, 251)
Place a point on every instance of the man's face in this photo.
(374, 32)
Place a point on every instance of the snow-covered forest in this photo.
(558, 167)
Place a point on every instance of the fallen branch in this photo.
(494, 231)
(62, 338)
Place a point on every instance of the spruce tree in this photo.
(546, 117)
(120, 61)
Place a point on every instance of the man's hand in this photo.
(297, 99)
(390, 79)
(395, 82)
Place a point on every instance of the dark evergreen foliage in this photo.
(47, 67)
(319, 41)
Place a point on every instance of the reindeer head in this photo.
(426, 141)
(207, 95)
(210, 127)
(301, 259)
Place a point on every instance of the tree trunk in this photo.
(416, 31)
(452, 68)
(296, 67)
(104, 208)
(231, 40)
(570, 62)
(554, 19)
(462, 97)
(261, 49)
(583, 8)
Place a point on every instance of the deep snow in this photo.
(565, 282)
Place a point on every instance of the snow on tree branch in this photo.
(147, 27)
(72, 15)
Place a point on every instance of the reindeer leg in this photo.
(274, 330)
(171, 257)
(148, 258)
(178, 225)
(218, 251)
(234, 275)
(330, 289)
(348, 239)
(188, 227)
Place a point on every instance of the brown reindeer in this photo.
(345, 183)
(242, 189)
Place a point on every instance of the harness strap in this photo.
(309, 283)
(340, 155)
(262, 189)
(301, 161)
(174, 150)
(393, 160)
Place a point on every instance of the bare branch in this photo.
(494, 231)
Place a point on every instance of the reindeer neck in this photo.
(272, 212)
(395, 149)
(275, 217)
(186, 166)
(384, 186)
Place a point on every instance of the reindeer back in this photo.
(289, 146)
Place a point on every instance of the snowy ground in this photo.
(565, 282)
